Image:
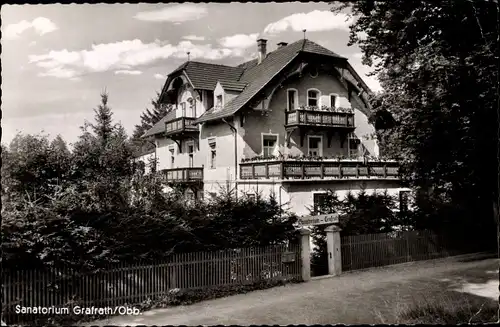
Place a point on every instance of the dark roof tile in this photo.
(205, 76)
(159, 127)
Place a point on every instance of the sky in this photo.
(57, 59)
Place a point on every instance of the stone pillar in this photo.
(334, 252)
(305, 254)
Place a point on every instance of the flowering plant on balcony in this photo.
(327, 108)
(302, 157)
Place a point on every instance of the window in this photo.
(312, 98)
(292, 99)
(190, 151)
(269, 143)
(333, 100)
(218, 102)
(213, 153)
(251, 196)
(172, 157)
(403, 201)
(353, 143)
(319, 202)
(315, 146)
(192, 108)
(183, 109)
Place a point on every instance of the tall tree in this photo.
(149, 117)
(438, 65)
(103, 127)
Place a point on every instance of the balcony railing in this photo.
(301, 117)
(182, 175)
(299, 169)
(179, 125)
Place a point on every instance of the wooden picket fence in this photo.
(376, 250)
(133, 284)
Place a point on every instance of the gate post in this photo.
(334, 250)
(305, 254)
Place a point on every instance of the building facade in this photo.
(293, 122)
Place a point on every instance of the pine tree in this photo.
(103, 128)
(149, 117)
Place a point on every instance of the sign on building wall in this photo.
(332, 218)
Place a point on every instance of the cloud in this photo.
(123, 55)
(240, 41)
(127, 72)
(174, 14)
(314, 21)
(159, 76)
(40, 25)
(194, 38)
(357, 55)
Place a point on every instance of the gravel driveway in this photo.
(361, 297)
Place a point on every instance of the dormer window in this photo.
(312, 98)
(218, 101)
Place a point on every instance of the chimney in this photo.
(282, 44)
(262, 49)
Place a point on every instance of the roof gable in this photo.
(259, 75)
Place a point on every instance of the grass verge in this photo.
(445, 310)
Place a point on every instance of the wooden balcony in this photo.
(304, 170)
(326, 120)
(182, 175)
(179, 127)
(320, 118)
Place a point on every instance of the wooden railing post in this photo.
(253, 171)
(322, 170)
(267, 170)
(357, 171)
(385, 171)
(303, 170)
(282, 170)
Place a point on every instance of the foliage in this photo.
(92, 207)
(149, 117)
(360, 213)
(438, 65)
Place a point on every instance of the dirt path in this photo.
(364, 297)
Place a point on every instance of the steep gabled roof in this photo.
(249, 78)
(159, 127)
(258, 76)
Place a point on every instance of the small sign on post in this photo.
(332, 218)
(288, 257)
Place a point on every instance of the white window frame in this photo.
(351, 137)
(320, 193)
(210, 149)
(333, 105)
(318, 98)
(262, 135)
(320, 150)
(191, 103)
(296, 99)
(221, 100)
(190, 154)
(171, 151)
